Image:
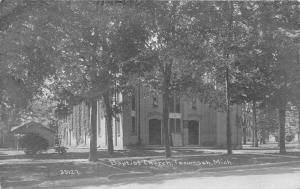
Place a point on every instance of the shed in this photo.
(33, 127)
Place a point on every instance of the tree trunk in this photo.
(108, 121)
(244, 135)
(299, 126)
(282, 130)
(139, 110)
(166, 96)
(253, 138)
(93, 139)
(263, 136)
(228, 127)
(166, 123)
(227, 51)
(254, 124)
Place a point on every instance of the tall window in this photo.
(194, 103)
(174, 104)
(133, 102)
(177, 104)
(133, 125)
(133, 108)
(174, 125)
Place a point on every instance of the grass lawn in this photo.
(84, 154)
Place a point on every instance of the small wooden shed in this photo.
(33, 127)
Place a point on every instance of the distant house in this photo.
(191, 123)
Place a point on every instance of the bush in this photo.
(289, 138)
(33, 143)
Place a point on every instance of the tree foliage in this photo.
(221, 52)
(94, 43)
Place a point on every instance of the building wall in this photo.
(74, 128)
(212, 131)
(209, 124)
(208, 127)
(236, 130)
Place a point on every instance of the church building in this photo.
(191, 123)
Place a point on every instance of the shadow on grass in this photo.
(101, 154)
(80, 155)
(55, 171)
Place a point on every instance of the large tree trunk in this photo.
(254, 123)
(244, 135)
(228, 127)
(282, 129)
(108, 121)
(227, 51)
(93, 139)
(139, 112)
(166, 123)
(166, 96)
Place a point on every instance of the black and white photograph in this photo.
(149, 94)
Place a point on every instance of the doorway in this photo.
(193, 132)
(154, 132)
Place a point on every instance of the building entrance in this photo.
(193, 132)
(155, 132)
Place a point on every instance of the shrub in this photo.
(289, 138)
(33, 143)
